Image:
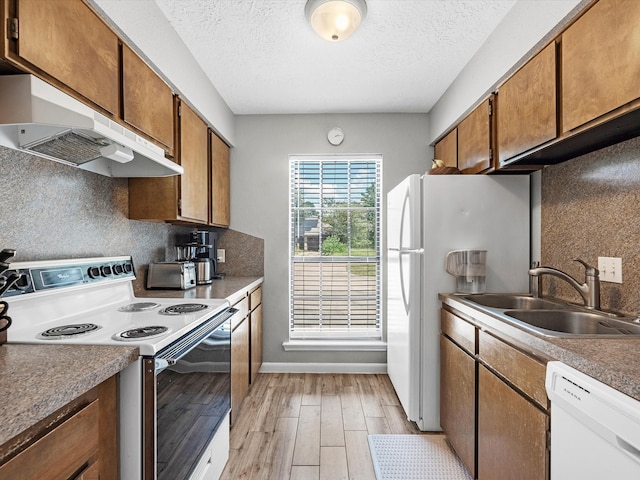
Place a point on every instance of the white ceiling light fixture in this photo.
(335, 20)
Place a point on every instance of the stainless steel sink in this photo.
(574, 322)
(554, 318)
(513, 302)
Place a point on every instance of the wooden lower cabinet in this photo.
(493, 406)
(457, 401)
(246, 347)
(81, 445)
(512, 433)
(256, 342)
(239, 366)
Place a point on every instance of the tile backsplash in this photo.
(49, 211)
(590, 208)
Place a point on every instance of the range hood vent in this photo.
(40, 119)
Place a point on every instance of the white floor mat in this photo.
(409, 457)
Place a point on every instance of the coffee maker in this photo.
(202, 251)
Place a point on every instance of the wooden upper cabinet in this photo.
(67, 41)
(600, 62)
(447, 149)
(474, 140)
(181, 198)
(147, 100)
(526, 106)
(194, 154)
(220, 200)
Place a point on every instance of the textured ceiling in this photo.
(263, 57)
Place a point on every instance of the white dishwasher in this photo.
(595, 429)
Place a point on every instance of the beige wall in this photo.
(591, 208)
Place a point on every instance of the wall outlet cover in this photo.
(221, 254)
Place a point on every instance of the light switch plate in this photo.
(221, 254)
(610, 269)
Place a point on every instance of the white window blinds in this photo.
(335, 248)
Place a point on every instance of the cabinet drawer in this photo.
(61, 452)
(520, 370)
(460, 331)
(243, 307)
(255, 298)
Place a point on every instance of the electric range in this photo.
(91, 302)
(185, 357)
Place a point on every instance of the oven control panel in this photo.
(39, 276)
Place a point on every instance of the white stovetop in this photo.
(33, 314)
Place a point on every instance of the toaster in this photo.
(171, 275)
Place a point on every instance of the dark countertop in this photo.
(230, 288)
(37, 380)
(612, 361)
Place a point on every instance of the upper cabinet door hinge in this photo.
(491, 154)
(14, 30)
(179, 206)
(490, 108)
(179, 109)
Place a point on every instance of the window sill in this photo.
(335, 345)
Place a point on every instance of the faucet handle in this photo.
(589, 271)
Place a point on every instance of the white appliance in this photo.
(426, 218)
(37, 118)
(90, 301)
(595, 429)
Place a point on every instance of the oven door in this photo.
(187, 394)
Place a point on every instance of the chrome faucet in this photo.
(589, 290)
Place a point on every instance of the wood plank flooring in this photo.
(312, 426)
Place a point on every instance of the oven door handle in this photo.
(163, 363)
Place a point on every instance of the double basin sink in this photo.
(554, 318)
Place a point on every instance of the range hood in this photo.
(40, 119)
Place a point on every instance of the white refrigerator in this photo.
(428, 216)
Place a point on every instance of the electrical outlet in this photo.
(221, 254)
(610, 269)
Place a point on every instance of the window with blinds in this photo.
(335, 247)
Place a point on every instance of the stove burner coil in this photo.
(139, 307)
(66, 331)
(183, 308)
(141, 332)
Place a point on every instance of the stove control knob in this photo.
(105, 270)
(94, 272)
(118, 269)
(128, 268)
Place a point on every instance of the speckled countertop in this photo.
(230, 288)
(612, 361)
(37, 380)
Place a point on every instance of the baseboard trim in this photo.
(275, 367)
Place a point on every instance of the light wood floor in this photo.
(312, 426)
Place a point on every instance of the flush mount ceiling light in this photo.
(335, 20)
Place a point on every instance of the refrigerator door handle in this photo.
(405, 203)
(402, 289)
(405, 251)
